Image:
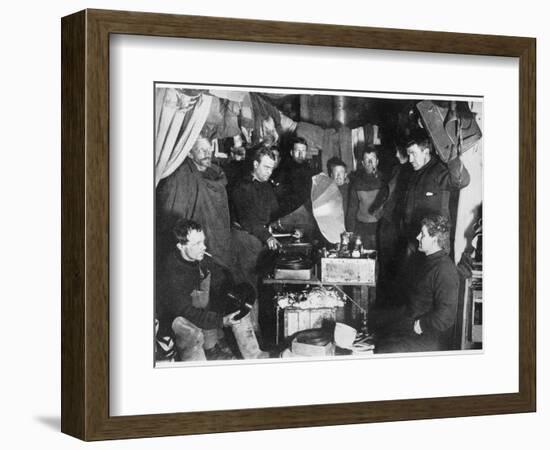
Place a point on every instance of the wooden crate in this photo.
(296, 319)
(293, 274)
(348, 270)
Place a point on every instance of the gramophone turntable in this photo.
(294, 261)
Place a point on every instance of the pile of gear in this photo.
(317, 297)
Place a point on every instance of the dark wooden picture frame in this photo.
(85, 224)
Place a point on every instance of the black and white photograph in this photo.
(297, 224)
(243, 225)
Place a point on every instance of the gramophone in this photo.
(294, 259)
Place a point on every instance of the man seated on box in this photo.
(186, 308)
(424, 323)
(255, 206)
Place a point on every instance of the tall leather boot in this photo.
(189, 340)
(246, 339)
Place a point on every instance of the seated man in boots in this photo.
(426, 320)
(185, 307)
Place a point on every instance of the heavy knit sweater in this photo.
(434, 294)
(255, 206)
(367, 194)
(176, 281)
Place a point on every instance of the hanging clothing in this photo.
(178, 122)
(267, 118)
(287, 124)
(229, 124)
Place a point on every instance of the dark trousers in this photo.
(389, 258)
(367, 231)
(407, 343)
(394, 332)
(252, 261)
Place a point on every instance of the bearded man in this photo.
(196, 191)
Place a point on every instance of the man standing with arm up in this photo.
(430, 185)
(428, 192)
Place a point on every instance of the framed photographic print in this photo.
(270, 225)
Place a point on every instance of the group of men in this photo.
(405, 216)
(196, 207)
(386, 209)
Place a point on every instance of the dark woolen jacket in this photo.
(295, 185)
(428, 191)
(434, 293)
(255, 206)
(176, 281)
(344, 191)
(235, 171)
(397, 191)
